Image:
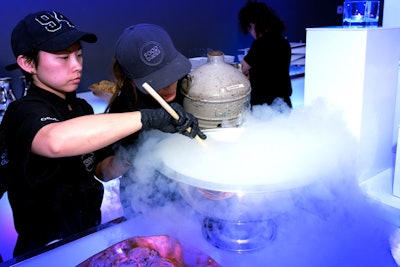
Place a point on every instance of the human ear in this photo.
(25, 64)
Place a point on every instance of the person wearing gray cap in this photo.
(145, 53)
(55, 143)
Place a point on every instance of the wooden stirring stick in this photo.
(167, 107)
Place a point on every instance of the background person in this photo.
(54, 140)
(267, 63)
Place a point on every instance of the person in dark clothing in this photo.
(56, 144)
(267, 63)
(163, 68)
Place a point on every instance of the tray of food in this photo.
(103, 89)
(143, 251)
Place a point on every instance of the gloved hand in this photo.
(161, 120)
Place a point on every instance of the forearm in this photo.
(84, 134)
(111, 168)
(245, 67)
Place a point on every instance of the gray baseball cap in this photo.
(147, 54)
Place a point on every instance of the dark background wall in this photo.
(195, 26)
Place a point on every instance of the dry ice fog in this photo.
(303, 163)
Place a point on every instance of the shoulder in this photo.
(122, 103)
(26, 103)
(30, 109)
(273, 40)
(25, 116)
(272, 37)
(126, 100)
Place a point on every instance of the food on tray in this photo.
(162, 251)
(105, 86)
(103, 89)
(139, 256)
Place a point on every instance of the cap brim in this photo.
(61, 42)
(66, 39)
(11, 67)
(175, 70)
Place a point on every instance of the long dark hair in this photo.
(264, 18)
(122, 82)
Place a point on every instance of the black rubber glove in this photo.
(160, 119)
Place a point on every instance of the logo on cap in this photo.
(152, 53)
(53, 22)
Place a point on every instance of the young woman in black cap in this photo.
(145, 53)
(54, 140)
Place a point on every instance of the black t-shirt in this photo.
(269, 57)
(129, 100)
(51, 198)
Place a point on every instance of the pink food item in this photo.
(152, 251)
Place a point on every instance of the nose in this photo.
(77, 62)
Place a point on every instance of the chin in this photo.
(169, 98)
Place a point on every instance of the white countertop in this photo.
(303, 239)
(164, 222)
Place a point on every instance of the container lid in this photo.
(223, 164)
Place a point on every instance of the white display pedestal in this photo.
(391, 11)
(356, 69)
(396, 136)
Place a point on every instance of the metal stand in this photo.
(239, 236)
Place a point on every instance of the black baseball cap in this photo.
(48, 31)
(147, 54)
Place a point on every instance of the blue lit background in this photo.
(195, 26)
